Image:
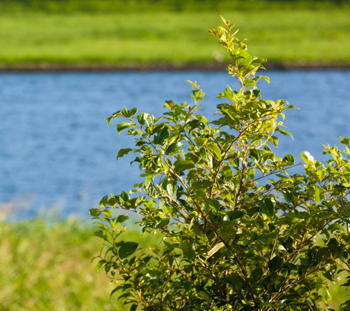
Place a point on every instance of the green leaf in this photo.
(212, 204)
(267, 207)
(188, 250)
(236, 214)
(170, 186)
(101, 234)
(291, 107)
(206, 157)
(124, 125)
(173, 148)
(124, 196)
(187, 285)
(115, 290)
(227, 173)
(237, 281)
(133, 307)
(181, 165)
(275, 263)
(254, 235)
(163, 223)
(205, 296)
(291, 294)
(123, 152)
(282, 131)
(215, 150)
(127, 249)
(100, 264)
(317, 195)
(109, 120)
(161, 137)
(336, 227)
(94, 212)
(288, 158)
(119, 220)
(129, 113)
(142, 117)
(242, 58)
(108, 213)
(257, 153)
(274, 140)
(328, 276)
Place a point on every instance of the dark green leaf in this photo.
(187, 285)
(288, 158)
(100, 264)
(174, 148)
(275, 263)
(328, 275)
(181, 165)
(237, 281)
(163, 223)
(254, 235)
(127, 249)
(188, 250)
(236, 214)
(133, 307)
(124, 196)
(257, 153)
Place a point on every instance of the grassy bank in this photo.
(152, 37)
(132, 6)
(45, 265)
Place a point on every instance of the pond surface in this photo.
(57, 151)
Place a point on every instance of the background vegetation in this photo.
(149, 31)
(45, 265)
(71, 6)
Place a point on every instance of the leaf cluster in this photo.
(239, 231)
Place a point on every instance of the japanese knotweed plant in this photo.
(228, 242)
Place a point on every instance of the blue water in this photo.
(56, 148)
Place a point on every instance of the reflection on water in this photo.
(56, 148)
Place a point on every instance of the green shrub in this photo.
(229, 243)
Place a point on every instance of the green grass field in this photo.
(45, 265)
(114, 38)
